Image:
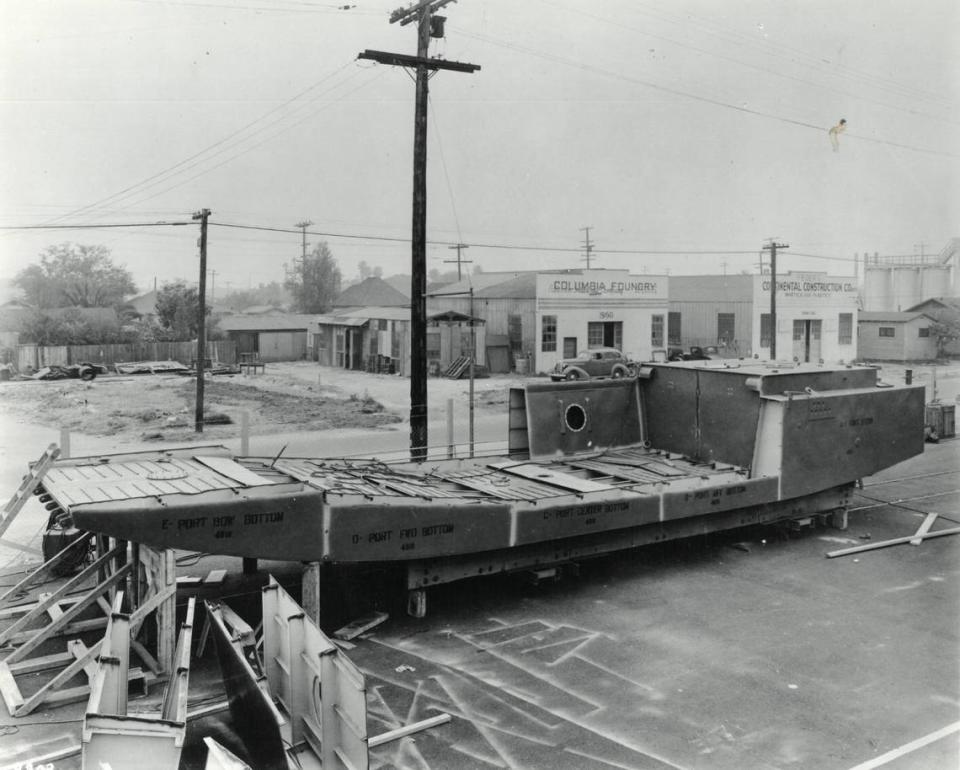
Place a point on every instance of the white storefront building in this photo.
(816, 315)
(577, 310)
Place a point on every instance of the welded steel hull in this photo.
(681, 442)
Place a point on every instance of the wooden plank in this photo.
(924, 528)
(894, 541)
(61, 592)
(9, 690)
(215, 576)
(44, 634)
(401, 732)
(353, 629)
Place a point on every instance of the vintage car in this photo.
(592, 364)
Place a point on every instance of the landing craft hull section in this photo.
(281, 526)
(729, 439)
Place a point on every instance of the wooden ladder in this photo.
(25, 490)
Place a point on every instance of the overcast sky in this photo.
(693, 126)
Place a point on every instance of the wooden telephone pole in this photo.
(428, 26)
(459, 260)
(202, 215)
(772, 248)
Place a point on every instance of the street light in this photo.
(473, 349)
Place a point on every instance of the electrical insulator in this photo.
(436, 25)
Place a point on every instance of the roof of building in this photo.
(145, 304)
(371, 291)
(888, 316)
(379, 313)
(951, 303)
(265, 323)
(452, 316)
(505, 285)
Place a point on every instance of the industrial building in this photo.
(539, 318)
(816, 315)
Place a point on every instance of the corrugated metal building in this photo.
(535, 318)
(375, 339)
(281, 337)
(889, 336)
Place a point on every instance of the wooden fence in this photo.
(37, 356)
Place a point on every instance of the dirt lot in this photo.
(298, 396)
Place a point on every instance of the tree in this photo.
(366, 271)
(178, 309)
(72, 326)
(75, 275)
(265, 294)
(314, 281)
(945, 331)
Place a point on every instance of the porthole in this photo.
(575, 417)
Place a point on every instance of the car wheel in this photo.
(617, 373)
(573, 375)
(88, 373)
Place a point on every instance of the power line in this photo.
(783, 51)
(303, 231)
(689, 95)
(742, 63)
(187, 164)
(93, 227)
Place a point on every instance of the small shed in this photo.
(373, 339)
(452, 335)
(281, 337)
(889, 336)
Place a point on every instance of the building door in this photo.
(806, 340)
(605, 334)
(569, 347)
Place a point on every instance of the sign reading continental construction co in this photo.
(605, 283)
(809, 285)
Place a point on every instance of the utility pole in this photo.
(303, 228)
(587, 244)
(458, 260)
(772, 248)
(202, 215)
(428, 26)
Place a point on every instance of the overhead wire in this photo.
(201, 156)
(558, 59)
(741, 62)
(779, 49)
(436, 242)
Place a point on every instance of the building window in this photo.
(725, 328)
(656, 331)
(845, 332)
(673, 328)
(594, 334)
(925, 331)
(515, 333)
(548, 337)
(887, 331)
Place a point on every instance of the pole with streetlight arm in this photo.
(473, 355)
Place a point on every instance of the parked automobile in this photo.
(694, 354)
(594, 363)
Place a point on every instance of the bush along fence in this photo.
(38, 356)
